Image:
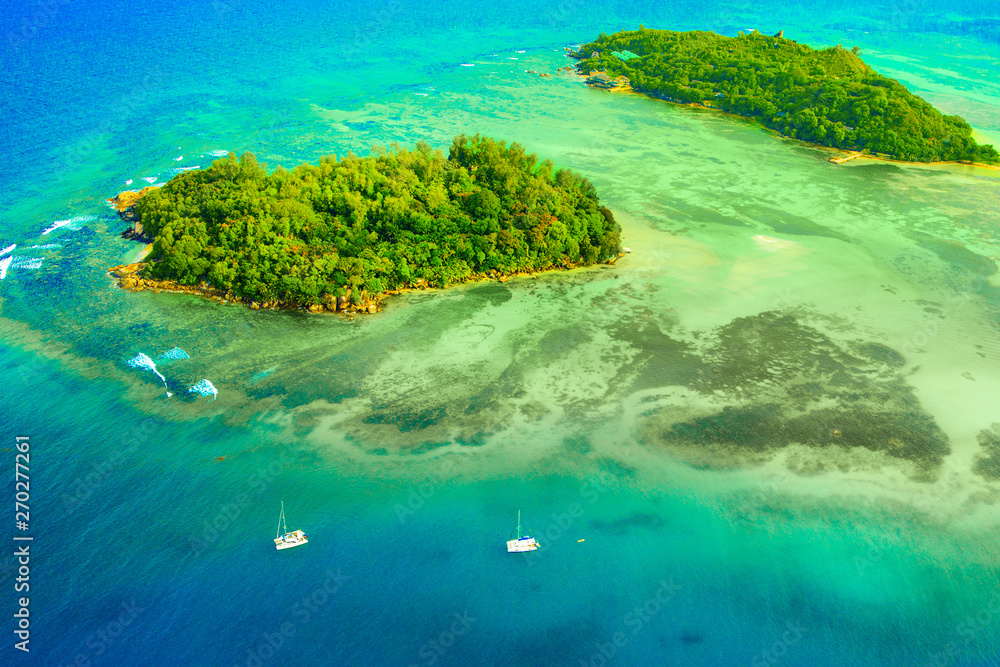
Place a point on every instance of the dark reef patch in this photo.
(752, 427)
(988, 462)
(690, 638)
(551, 645)
(881, 353)
(626, 524)
(408, 420)
(577, 444)
(783, 222)
(763, 427)
(783, 383)
(768, 349)
(493, 294)
(956, 254)
(661, 359)
(616, 469)
(562, 341)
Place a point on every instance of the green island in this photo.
(829, 97)
(342, 234)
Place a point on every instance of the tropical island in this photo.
(829, 97)
(342, 234)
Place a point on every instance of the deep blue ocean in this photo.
(405, 443)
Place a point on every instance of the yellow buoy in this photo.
(579, 540)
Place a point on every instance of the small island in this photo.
(343, 234)
(828, 97)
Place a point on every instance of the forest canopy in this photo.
(356, 227)
(830, 97)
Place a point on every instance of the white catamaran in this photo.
(521, 543)
(287, 540)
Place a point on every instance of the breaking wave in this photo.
(204, 388)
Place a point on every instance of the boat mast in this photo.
(519, 524)
(281, 518)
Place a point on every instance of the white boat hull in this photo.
(522, 544)
(289, 540)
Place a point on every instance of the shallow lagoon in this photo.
(764, 421)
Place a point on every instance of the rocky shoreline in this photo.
(128, 278)
(124, 203)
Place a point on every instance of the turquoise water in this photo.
(766, 423)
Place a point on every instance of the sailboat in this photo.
(287, 540)
(521, 542)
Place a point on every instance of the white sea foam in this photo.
(26, 263)
(8, 249)
(219, 152)
(144, 362)
(468, 64)
(128, 182)
(175, 353)
(54, 226)
(46, 246)
(149, 179)
(178, 158)
(511, 58)
(73, 223)
(4, 263)
(179, 169)
(204, 388)
(521, 51)
(421, 94)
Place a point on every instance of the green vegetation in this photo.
(356, 227)
(829, 97)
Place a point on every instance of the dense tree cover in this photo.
(360, 226)
(828, 97)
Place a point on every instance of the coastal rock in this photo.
(780, 34)
(124, 203)
(316, 308)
